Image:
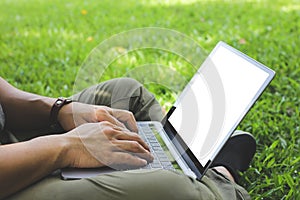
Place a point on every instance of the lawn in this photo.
(44, 44)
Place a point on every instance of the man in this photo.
(98, 128)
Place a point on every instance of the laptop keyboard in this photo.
(161, 160)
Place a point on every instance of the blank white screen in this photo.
(214, 100)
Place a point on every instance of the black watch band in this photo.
(59, 103)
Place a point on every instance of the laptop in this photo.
(204, 116)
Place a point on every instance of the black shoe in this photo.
(236, 154)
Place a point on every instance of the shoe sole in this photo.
(238, 151)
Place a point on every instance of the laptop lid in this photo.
(213, 104)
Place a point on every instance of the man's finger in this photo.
(122, 160)
(134, 148)
(107, 116)
(123, 135)
(126, 117)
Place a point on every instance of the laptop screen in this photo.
(216, 99)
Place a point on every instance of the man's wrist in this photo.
(56, 107)
(56, 147)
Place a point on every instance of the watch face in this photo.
(58, 102)
(62, 101)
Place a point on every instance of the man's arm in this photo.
(23, 110)
(27, 111)
(24, 163)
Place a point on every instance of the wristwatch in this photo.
(59, 103)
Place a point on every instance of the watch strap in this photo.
(58, 104)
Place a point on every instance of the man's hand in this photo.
(75, 114)
(105, 144)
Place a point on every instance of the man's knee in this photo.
(143, 103)
(127, 82)
(121, 88)
(123, 93)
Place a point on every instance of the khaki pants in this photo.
(136, 184)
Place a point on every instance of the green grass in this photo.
(44, 43)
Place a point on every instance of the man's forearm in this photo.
(25, 163)
(23, 110)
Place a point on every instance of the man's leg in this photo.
(136, 184)
(123, 93)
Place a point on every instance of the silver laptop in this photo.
(203, 117)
